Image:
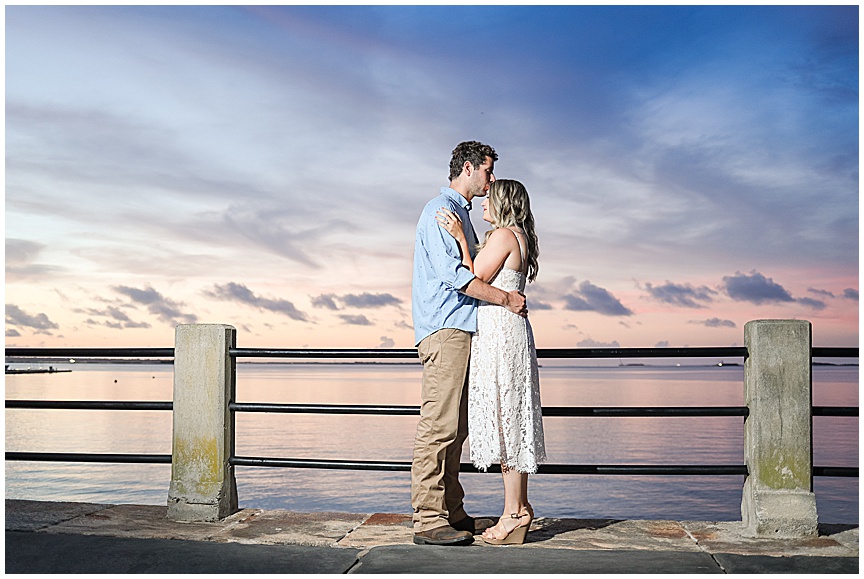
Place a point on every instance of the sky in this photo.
(690, 168)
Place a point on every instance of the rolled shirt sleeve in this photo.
(444, 256)
(436, 301)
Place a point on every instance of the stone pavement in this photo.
(46, 537)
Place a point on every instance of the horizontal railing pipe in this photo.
(730, 352)
(835, 411)
(89, 352)
(89, 457)
(89, 404)
(624, 469)
(324, 408)
(818, 352)
(320, 353)
(836, 471)
(612, 411)
(643, 469)
(645, 411)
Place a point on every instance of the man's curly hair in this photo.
(472, 151)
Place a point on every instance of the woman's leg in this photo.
(515, 502)
(515, 491)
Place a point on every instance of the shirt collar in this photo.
(457, 197)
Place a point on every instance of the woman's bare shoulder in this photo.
(503, 235)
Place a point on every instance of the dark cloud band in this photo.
(235, 292)
(590, 298)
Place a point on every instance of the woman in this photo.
(504, 416)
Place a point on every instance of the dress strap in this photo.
(521, 250)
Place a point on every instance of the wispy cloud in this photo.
(364, 300)
(367, 300)
(715, 323)
(355, 320)
(15, 316)
(684, 295)
(402, 324)
(755, 288)
(20, 251)
(165, 309)
(239, 293)
(277, 230)
(590, 298)
(325, 301)
(21, 256)
(758, 289)
(117, 318)
(811, 303)
(850, 294)
(589, 343)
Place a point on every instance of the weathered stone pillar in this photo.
(778, 498)
(202, 482)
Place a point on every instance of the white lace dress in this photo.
(505, 424)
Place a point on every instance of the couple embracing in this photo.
(479, 360)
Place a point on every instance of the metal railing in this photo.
(578, 353)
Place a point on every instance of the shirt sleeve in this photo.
(444, 255)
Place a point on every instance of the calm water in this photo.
(569, 440)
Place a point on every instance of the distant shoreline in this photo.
(32, 361)
(51, 370)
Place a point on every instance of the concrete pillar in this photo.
(778, 499)
(202, 482)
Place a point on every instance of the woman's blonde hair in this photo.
(509, 206)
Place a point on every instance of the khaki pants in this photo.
(436, 494)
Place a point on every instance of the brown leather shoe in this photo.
(472, 525)
(446, 535)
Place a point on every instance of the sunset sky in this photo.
(689, 168)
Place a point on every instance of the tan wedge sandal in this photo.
(515, 536)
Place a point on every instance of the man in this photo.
(444, 308)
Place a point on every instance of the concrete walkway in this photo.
(45, 537)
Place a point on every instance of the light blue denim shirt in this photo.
(436, 301)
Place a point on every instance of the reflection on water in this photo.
(589, 440)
